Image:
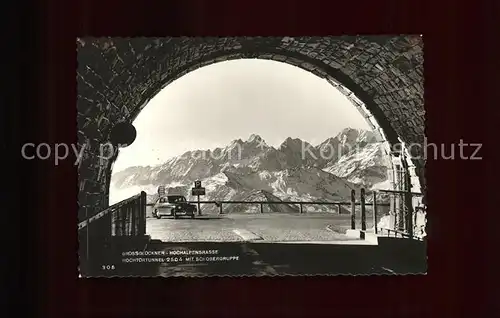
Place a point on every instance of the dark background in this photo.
(460, 81)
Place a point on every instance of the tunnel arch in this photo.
(117, 78)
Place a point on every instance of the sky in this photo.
(215, 104)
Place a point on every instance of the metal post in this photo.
(130, 216)
(394, 202)
(220, 208)
(127, 220)
(199, 206)
(415, 217)
(261, 208)
(301, 208)
(143, 213)
(363, 210)
(116, 222)
(409, 215)
(123, 220)
(400, 206)
(407, 197)
(375, 221)
(339, 207)
(135, 213)
(353, 209)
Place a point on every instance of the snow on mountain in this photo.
(366, 166)
(252, 170)
(347, 141)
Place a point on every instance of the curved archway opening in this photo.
(230, 103)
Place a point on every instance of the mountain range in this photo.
(250, 169)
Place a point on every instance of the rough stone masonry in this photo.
(116, 77)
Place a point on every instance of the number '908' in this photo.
(108, 267)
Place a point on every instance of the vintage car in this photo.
(175, 206)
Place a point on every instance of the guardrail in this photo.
(396, 233)
(123, 219)
(402, 208)
(301, 204)
(127, 217)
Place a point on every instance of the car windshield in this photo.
(176, 198)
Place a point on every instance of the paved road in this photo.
(245, 244)
(268, 227)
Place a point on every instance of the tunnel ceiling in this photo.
(116, 77)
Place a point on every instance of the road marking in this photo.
(330, 229)
(246, 235)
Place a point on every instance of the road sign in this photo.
(161, 190)
(198, 191)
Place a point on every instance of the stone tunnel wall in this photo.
(116, 78)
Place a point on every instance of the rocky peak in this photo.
(292, 143)
(255, 138)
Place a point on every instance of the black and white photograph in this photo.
(251, 156)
